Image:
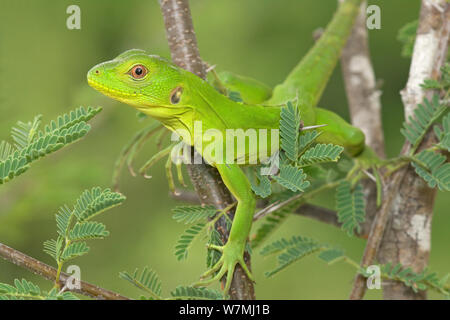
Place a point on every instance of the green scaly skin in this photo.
(177, 98)
(251, 91)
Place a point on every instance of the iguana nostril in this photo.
(97, 72)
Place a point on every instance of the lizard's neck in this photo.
(210, 119)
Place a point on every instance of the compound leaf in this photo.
(148, 280)
(433, 169)
(192, 293)
(193, 214)
(350, 206)
(186, 239)
(95, 201)
(321, 153)
(292, 178)
(290, 130)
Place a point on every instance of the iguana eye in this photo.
(175, 95)
(138, 71)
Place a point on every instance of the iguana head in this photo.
(149, 83)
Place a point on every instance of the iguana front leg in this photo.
(233, 251)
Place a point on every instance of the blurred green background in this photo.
(42, 71)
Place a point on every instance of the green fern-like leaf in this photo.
(433, 169)
(63, 220)
(350, 206)
(72, 118)
(49, 141)
(22, 290)
(290, 130)
(88, 230)
(191, 293)
(74, 250)
(292, 178)
(276, 246)
(32, 144)
(416, 281)
(6, 150)
(12, 167)
(284, 244)
(443, 83)
(24, 133)
(291, 251)
(263, 187)
(321, 153)
(54, 247)
(95, 201)
(147, 281)
(331, 256)
(193, 214)
(186, 239)
(306, 139)
(431, 84)
(424, 116)
(442, 134)
(55, 294)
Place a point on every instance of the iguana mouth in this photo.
(115, 93)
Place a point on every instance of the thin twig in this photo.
(274, 207)
(41, 269)
(320, 214)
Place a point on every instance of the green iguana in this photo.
(179, 98)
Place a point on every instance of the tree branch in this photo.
(41, 269)
(360, 84)
(318, 213)
(407, 239)
(406, 212)
(364, 102)
(206, 179)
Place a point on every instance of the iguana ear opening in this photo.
(175, 95)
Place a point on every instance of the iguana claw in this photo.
(232, 255)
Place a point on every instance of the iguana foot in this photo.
(232, 254)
